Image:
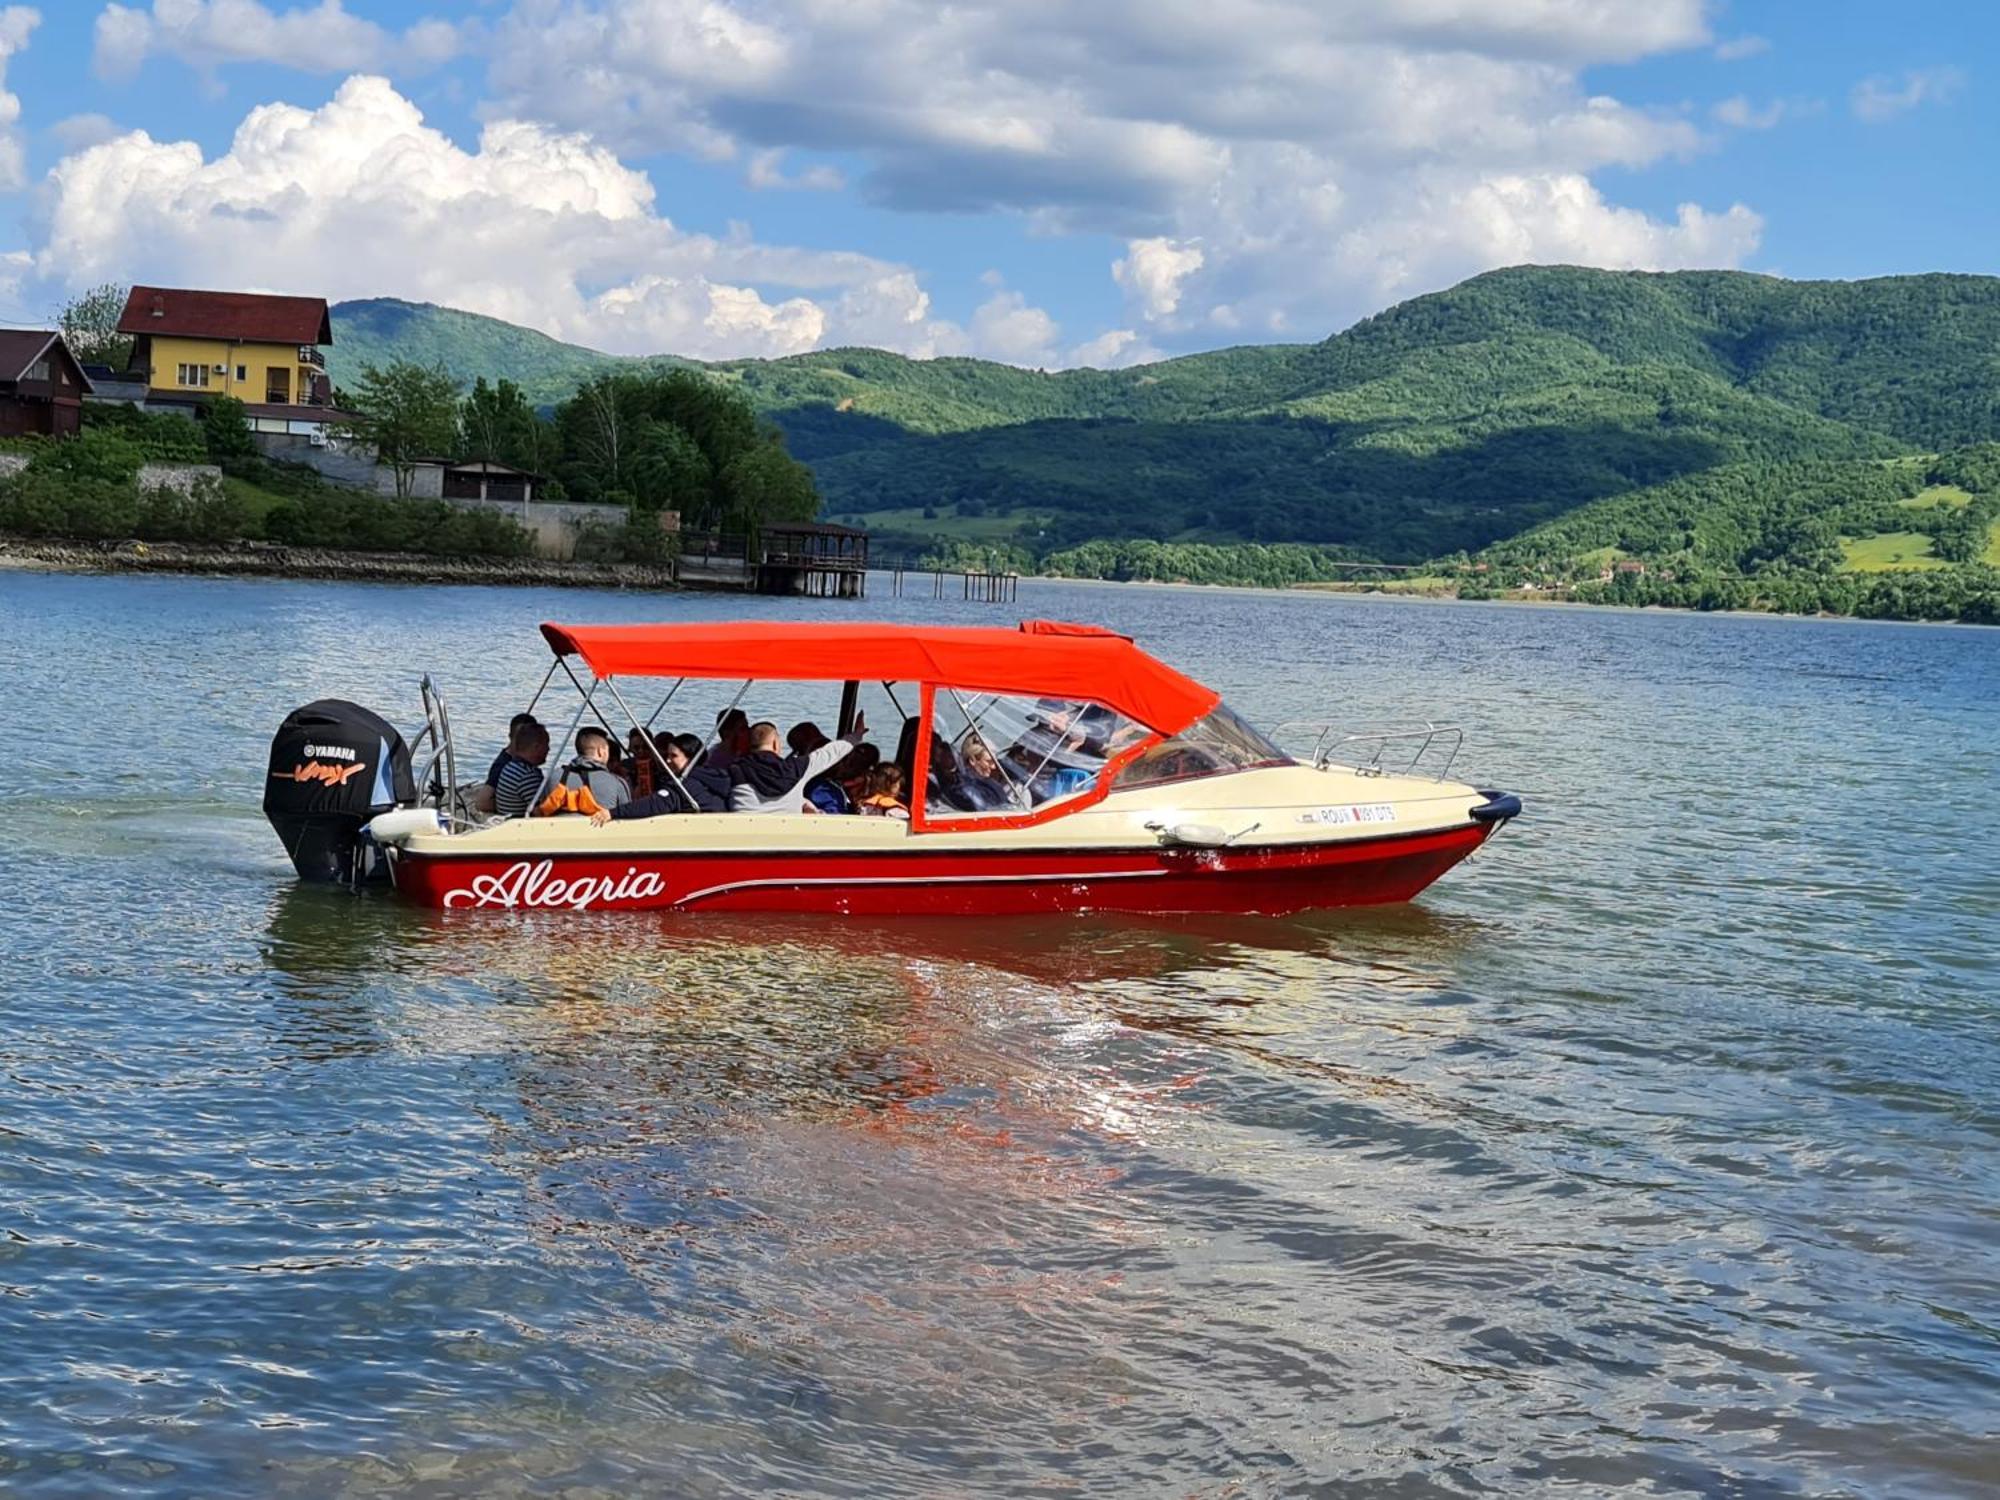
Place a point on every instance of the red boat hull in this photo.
(1271, 879)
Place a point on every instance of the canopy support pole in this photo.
(647, 738)
(850, 699)
(545, 685)
(652, 718)
(554, 768)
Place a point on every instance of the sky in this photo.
(1046, 182)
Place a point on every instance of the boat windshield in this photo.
(1218, 742)
(1005, 754)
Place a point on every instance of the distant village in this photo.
(189, 347)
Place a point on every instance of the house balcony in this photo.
(310, 354)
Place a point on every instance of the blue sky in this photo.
(1031, 180)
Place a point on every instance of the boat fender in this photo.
(399, 824)
(1199, 835)
(1497, 808)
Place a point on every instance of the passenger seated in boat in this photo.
(982, 785)
(882, 793)
(588, 783)
(824, 791)
(520, 784)
(643, 758)
(514, 727)
(850, 777)
(766, 782)
(732, 739)
(707, 786)
(1041, 759)
(684, 786)
(614, 758)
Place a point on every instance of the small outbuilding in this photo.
(41, 384)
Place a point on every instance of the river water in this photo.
(1655, 1150)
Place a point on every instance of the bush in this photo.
(159, 436)
(206, 514)
(96, 456)
(39, 503)
(638, 539)
(341, 519)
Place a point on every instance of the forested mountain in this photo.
(1448, 424)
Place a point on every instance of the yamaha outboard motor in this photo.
(334, 765)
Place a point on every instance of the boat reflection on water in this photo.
(783, 1170)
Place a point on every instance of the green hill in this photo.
(1494, 412)
(383, 329)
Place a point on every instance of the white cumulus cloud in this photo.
(541, 227)
(17, 24)
(322, 38)
(1152, 271)
(1242, 150)
(1739, 113)
(1882, 97)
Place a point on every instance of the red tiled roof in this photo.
(245, 317)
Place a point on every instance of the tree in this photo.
(89, 325)
(496, 423)
(226, 430)
(764, 483)
(683, 441)
(670, 470)
(408, 412)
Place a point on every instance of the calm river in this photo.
(1656, 1150)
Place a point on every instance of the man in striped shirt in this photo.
(520, 786)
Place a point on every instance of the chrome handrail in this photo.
(1331, 747)
(437, 727)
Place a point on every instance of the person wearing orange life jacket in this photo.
(587, 784)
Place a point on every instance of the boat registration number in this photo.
(1334, 817)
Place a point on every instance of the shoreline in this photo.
(269, 560)
(306, 564)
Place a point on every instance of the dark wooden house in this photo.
(41, 385)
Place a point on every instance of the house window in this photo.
(39, 370)
(193, 376)
(242, 374)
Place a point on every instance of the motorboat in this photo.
(1052, 767)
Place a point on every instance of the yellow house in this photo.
(264, 351)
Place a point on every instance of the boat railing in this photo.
(440, 789)
(1426, 750)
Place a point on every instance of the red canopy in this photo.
(1047, 658)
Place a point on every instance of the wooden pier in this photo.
(975, 585)
(819, 560)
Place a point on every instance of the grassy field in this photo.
(953, 527)
(1890, 552)
(1992, 557)
(1936, 495)
(1425, 585)
(258, 500)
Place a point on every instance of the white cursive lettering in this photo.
(538, 886)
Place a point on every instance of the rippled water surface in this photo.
(1653, 1151)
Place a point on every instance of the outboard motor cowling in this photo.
(334, 765)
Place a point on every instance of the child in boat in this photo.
(882, 793)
